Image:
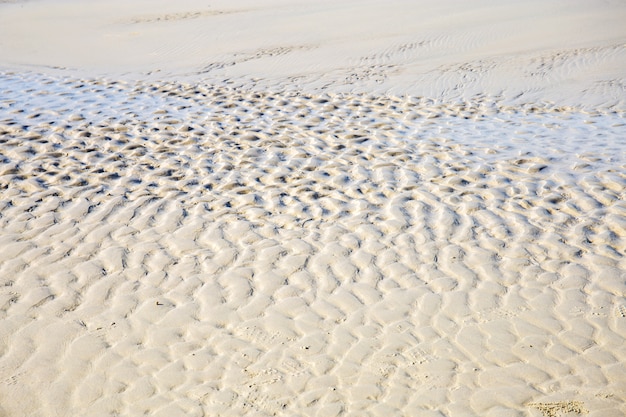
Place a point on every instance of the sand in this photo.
(205, 230)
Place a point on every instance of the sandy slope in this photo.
(214, 210)
(567, 51)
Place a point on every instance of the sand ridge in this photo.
(193, 249)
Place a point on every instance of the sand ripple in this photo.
(194, 250)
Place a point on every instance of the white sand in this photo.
(570, 51)
(312, 209)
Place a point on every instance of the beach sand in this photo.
(355, 209)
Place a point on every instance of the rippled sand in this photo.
(296, 208)
(196, 250)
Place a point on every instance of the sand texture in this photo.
(240, 253)
(318, 209)
(568, 51)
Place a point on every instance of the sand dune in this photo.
(312, 209)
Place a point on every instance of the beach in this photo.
(330, 209)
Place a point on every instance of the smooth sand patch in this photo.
(571, 52)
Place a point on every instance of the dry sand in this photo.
(252, 220)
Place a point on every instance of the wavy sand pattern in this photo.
(199, 250)
(296, 208)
